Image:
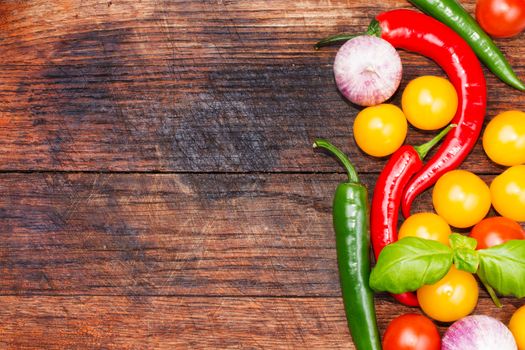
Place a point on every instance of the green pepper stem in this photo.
(334, 39)
(350, 170)
(422, 150)
(373, 29)
(492, 293)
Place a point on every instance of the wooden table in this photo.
(158, 189)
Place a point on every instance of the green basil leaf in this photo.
(503, 267)
(410, 263)
(459, 241)
(466, 258)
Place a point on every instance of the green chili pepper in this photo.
(456, 17)
(351, 226)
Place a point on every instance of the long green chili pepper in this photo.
(456, 17)
(352, 236)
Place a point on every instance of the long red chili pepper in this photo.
(414, 31)
(417, 32)
(401, 166)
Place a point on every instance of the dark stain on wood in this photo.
(81, 86)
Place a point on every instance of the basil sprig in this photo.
(412, 262)
(466, 258)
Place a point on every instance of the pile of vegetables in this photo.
(426, 264)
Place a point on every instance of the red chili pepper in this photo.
(420, 33)
(414, 31)
(401, 166)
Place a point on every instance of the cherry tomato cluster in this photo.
(463, 199)
(460, 198)
(428, 103)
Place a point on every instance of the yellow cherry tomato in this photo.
(504, 138)
(429, 102)
(461, 198)
(517, 327)
(507, 191)
(451, 298)
(380, 130)
(427, 226)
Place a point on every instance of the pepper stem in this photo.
(423, 149)
(350, 170)
(373, 29)
(334, 39)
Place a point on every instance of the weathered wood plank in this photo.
(166, 234)
(191, 234)
(187, 86)
(141, 261)
(187, 323)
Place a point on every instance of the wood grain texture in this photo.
(186, 323)
(187, 85)
(191, 234)
(158, 189)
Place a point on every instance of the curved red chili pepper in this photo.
(401, 166)
(414, 31)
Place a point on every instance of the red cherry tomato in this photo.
(501, 18)
(496, 230)
(411, 332)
